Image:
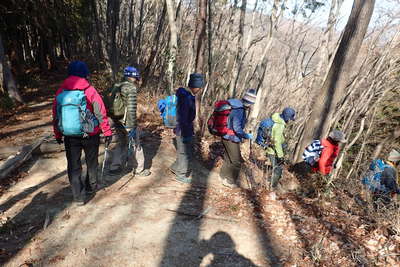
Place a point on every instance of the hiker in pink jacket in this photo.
(79, 115)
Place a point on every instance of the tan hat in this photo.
(338, 136)
(394, 156)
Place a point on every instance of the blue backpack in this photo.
(167, 107)
(264, 133)
(373, 177)
(74, 118)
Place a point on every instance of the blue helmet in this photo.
(131, 72)
(288, 114)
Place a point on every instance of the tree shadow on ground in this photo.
(183, 246)
(23, 110)
(68, 238)
(12, 201)
(333, 227)
(38, 214)
(270, 253)
(19, 131)
(306, 178)
(150, 143)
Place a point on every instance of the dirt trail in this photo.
(156, 221)
(150, 221)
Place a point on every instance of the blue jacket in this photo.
(186, 112)
(236, 122)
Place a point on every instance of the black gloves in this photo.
(59, 140)
(280, 161)
(107, 141)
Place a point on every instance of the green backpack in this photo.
(114, 102)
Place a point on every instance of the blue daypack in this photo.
(167, 107)
(74, 118)
(374, 175)
(264, 133)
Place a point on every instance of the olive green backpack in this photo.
(114, 102)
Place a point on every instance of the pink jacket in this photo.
(94, 104)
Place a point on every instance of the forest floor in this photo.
(156, 221)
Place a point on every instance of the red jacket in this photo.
(328, 156)
(94, 104)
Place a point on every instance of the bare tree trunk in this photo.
(237, 65)
(210, 82)
(200, 35)
(156, 44)
(339, 73)
(138, 39)
(262, 66)
(7, 78)
(199, 63)
(99, 7)
(113, 8)
(173, 44)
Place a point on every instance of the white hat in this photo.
(394, 155)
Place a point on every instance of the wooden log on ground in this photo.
(15, 162)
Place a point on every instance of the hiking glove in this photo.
(132, 133)
(59, 141)
(249, 136)
(186, 139)
(107, 141)
(285, 147)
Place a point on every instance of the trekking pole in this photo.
(131, 153)
(104, 164)
(249, 177)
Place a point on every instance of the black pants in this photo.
(73, 148)
(232, 162)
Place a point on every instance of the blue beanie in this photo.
(78, 68)
(288, 114)
(196, 80)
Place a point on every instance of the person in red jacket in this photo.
(330, 151)
(87, 140)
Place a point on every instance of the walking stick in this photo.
(132, 146)
(104, 164)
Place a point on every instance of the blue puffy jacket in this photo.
(236, 122)
(186, 112)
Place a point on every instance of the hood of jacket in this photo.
(276, 117)
(75, 83)
(235, 103)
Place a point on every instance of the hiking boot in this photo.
(114, 172)
(143, 173)
(184, 179)
(91, 189)
(227, 183)
(78, 202)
